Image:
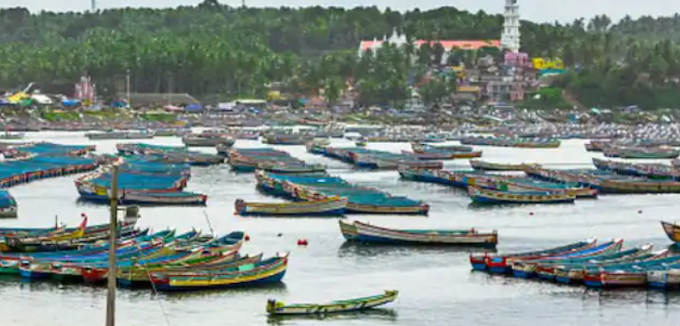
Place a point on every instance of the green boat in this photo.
(278, 308)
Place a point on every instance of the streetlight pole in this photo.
(113, 226)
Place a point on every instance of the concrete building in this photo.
(449, 45)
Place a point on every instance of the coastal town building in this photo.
(449, 45)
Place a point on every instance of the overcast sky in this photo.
(536, 10)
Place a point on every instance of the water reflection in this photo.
(353, 249)
(274, 289)
(378, 314)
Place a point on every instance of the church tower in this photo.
(511, 36)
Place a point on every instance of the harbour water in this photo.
(436, 285)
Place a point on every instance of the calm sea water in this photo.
(436, 285)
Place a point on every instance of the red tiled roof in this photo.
(471, 44)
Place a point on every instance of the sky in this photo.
(535, 10)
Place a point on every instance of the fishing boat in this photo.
(672, 231)
(286, 139)
(364, 232)
(502, 263)
(488, 166)
(424, 148)
(487, 196)
(334, 205)
(130, 197)
(207, 140)
(626, 275)
(362, 200)
(572, 273)
(268, 271)
(278, 308)
(528, 268)
(443, 155)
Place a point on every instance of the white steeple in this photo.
(511, 36)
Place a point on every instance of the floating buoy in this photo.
(302, 242)
(247, 238)
(279, 234)
(531, 213)
(640, 212)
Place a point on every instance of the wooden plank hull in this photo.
(332, 206)
(277, 308)
(486, 196)
(363, 232)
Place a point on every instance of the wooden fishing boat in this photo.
(423, 148)
(625, 275)
(488, 166)
(443, 155)
(138, 276)
(207, 140)
(268, 271)
(278, 308)
(502, 263)
(487, 196)
(163, 198)
(363, 232)
(573, 273)
(532, 185)
(528, 268)
(328, 206)
(672, 231)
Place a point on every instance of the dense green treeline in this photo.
(216, 49)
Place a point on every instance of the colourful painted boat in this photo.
(488, 166)
(268, 271)
(502, 263)
(672, 231)
(366, 233)
(163, 198)
(443, 155)
(278, 308)
(625, 275)
(362, 200)
(423, 148)
(528, 268)
(328, 206)
(487, 196)
(574, 273)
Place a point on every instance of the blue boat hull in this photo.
(33, 275)
(523, 274)
(478, 267)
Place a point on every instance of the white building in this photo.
(510, 37)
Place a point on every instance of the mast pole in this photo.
(111, 293)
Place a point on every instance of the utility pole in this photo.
(94, 5)
(127, 81)
(113, 226)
